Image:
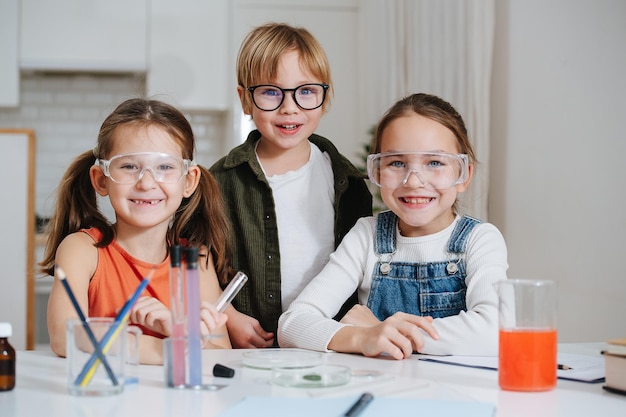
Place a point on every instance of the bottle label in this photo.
(7, 367)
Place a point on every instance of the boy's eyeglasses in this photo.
(269, 97)
(130, 167)
(438, 169)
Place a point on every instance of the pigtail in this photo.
(201, 220)
(76, 208)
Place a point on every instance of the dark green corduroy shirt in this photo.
(250, 206)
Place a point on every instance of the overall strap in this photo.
(386, 232)
(460, 234)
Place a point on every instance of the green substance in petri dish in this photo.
(312, 377)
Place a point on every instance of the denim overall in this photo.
(435, 289)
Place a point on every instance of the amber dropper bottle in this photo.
(7, 358)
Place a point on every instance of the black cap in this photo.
(191, 257)
(223, 371)
(175, 256)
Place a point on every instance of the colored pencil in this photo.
(122, 318)
(63, 278)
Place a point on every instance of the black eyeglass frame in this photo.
(325, 87)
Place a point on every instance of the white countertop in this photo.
(41, 388)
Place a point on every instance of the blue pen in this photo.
(121, 318)
(83, 319)
(360, 404)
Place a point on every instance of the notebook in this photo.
(583, 368)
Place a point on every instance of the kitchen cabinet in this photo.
(189, 46)
(84, 35)
(9, 69)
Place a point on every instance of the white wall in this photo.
(558, 155)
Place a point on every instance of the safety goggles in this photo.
(439, 170)
(130, 167)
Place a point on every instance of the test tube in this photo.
(177, 301)
(231, 291)
(192, 281)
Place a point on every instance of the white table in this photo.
(41, 389)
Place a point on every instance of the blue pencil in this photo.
(83, 319)
(122, 317)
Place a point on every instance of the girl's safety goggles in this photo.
(439, 170)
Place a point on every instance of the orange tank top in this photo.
(117, 276)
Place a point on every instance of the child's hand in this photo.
(211, 319)
(399, 336)
(409, 325)
(423, 322)
(360, 315)
(152, 314)
(246, 332)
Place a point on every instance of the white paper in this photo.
(584, 368)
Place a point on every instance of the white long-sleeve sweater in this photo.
(308, 321)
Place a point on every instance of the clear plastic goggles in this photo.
(436, 169)
(130, 167)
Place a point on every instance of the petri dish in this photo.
(281, 358)
(321, 376)
(365, 374)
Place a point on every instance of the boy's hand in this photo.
(246, 332)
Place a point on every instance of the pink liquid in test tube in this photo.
(177, 301)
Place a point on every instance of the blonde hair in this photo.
(261, 50)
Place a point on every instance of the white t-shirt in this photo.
(308, 322)
(304, 202)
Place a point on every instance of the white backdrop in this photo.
(558, 181)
